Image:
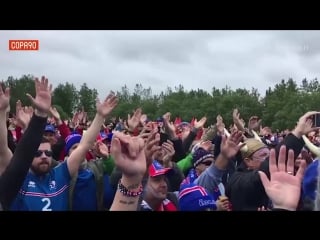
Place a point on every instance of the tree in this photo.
(280, 108)
(87, 100)
(66, 96)
(63, 114)
(281, 105)
(19, 88)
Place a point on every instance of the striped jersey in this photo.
(44, 193)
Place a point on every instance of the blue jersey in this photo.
(85, 192)
(45, 193)
(109, 192)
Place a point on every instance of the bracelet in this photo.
(126, 192)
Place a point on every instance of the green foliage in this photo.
(87, 100)
(63, 114)
(280, 108)
(66, 96)
(18, 90)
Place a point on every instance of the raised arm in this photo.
(14, 175)
(5, 152)
(88, 139)
(130, 159)
(283, 188)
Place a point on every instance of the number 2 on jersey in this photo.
(48, 203)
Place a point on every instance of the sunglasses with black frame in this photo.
(39, 153)
(207, 163)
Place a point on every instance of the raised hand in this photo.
(108, 105)
(169, 126)
(147, 128)
(134, 121)
(220, 125)
(23, 115)
(81, 115)
(230, 146)
(75, 118)
(169, 152)
(254, 123)
(55, 114)
(42, 101)
(143, 119)
(4, 98)
(200, 124)
(129, 156)
(238, 122)
(152, 145)
(102, 149)
(206, 145)
(305, 124)
(130, 159)
(283, 188)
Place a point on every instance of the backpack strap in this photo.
(97, 168)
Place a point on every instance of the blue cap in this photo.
(50, 128)
(71, 140)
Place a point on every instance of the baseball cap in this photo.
(156, 169)
(50, 128)
(101, 136)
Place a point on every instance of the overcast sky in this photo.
(107, 60)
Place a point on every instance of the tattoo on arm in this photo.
(127, 202)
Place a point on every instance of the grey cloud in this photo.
(155, 46)
(108, 60)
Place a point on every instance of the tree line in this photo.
(280, 108)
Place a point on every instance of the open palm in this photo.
(200, 124)
(134, 121)
(108, 105)
(4, 98)
(42, 101)
(169, 126)
(54, 113)
(102, 149)
(23, 115)
(232, 144)
(283, 188)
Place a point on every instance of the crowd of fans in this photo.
(141, 164)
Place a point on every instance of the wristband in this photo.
(126, 192)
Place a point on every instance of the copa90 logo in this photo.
(23, 45)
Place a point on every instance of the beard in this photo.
(41, 168)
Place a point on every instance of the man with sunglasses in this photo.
(14, 170)
(202, 159)
(46, 188)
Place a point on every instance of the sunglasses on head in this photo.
(46, 152)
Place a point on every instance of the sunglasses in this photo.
(207, 163)
(46, 152)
